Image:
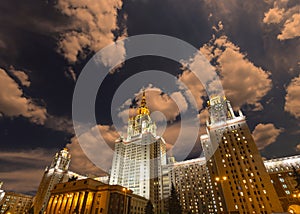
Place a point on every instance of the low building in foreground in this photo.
(57, 172)
(285, 176)
(15, 203)
(91, 196)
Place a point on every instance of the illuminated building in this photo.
(138, 159)
(2, 193)
(91, 196)
(241, 183)
(282, 173)
(15, 203)
(193, 184)
(57, 172)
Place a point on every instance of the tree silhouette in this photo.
(149, 208)
(73, 178)
(174, 203)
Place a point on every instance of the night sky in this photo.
(253, 45)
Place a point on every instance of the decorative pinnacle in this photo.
(143, 102)
(143, 109)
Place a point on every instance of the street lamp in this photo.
(296, 195)
(224, 178)
(221, 179)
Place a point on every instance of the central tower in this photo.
(138, 158)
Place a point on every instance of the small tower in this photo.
(56, 173)
(61, 160)
(241, 183)
(220, 110)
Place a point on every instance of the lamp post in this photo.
(221, 179)
(224, 178)
(125, 204)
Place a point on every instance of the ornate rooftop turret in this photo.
(143, 109)
(220, 110)
(142, 122)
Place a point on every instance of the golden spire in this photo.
(143, 102)
(143, 109)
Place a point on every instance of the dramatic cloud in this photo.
(13, 103)
(70, 73)
(100, 150)
(195, 89)
(182, 139)
(265, 134)
(23, 181)
(285, 15)
(92, 26)
(243, 82)
(80, 163)
(22, 77)
(197, 74)
(274, 15)
(63, 124)
(22, 171)
(219, 27)
(179, 99)
(292, 98)
(291, 28)
(112, 56)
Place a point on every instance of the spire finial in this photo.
(143, 109)
(143, 102)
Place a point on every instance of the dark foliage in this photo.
(174, 203)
